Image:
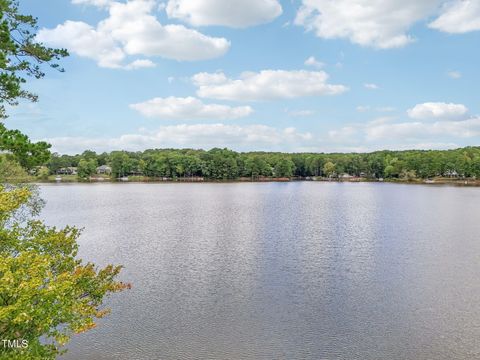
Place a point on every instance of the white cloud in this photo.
(99, 3)
(132, 30)
(83, 40)
(371, 86)
(389, 132)
(458, 17)
(419, 130)
(382, 133)
(376, 23)
(437, 110)
(139, 64)
(232, 13)
(189, 108)
(311, 61)
(454, 74)
(265, 85)
(343, 134)
(206, 136)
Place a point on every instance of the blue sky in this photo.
(303, 75)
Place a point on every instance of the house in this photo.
(104, 169)
(67, 171)
(451, 174)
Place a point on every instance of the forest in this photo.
(225, 164)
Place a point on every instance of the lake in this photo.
(299, 270)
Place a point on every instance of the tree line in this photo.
(225, 164)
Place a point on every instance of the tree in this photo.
(42, 173)
(11, 171)
(20, 54)
(256, 166)
(393, 167)
(408, 175)
(121, 164)
(329, 169)
(45, 291)
(27, 153)
(86, 168)
(284, 167)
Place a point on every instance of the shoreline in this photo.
(440, 181)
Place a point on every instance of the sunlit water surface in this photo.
(280, 270)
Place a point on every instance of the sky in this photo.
(270, 75)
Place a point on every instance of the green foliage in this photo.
(46, 293)
(11, 171)
(408, 175)
(87, 168)
(329, 169)
(256, 166)
(28, 154)
(20, 54)
(284, 167)
(121, 164)
(42, 173)
(227, 164)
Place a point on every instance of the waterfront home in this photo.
(67, 171)
(451, 174)
(104, 170)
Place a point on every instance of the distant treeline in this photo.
(224, 164)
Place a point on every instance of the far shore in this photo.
(140, 179)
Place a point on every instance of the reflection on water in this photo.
(281, 270)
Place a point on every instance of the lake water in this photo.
(301, 270)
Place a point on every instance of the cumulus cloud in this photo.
(437, 110)
(468, 128)
(382, 133)
(231, 13)
(311, 61)
(206, 136)
(189, 108)
(385, 24)
(379, 23)
(458, 17)
(265, 85)
(132, 30)
(389, 132)
(449, 126)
